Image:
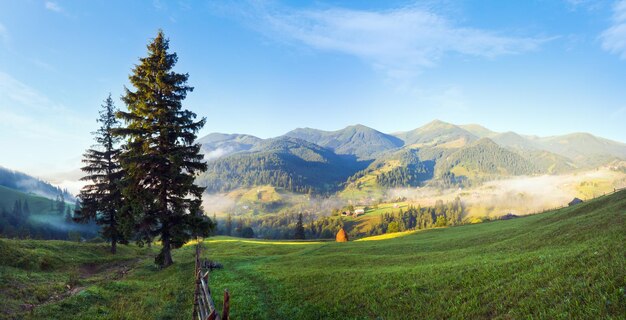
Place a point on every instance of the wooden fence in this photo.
(203, 305)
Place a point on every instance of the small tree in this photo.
(299, 234)
(61, 204)
(247, 232)
(68, 214)
(392, 227)
(216, 226)
(229, 225)
(239, 228)
(25, 209)
(101, 199)
(441, 221)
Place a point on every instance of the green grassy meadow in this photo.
(564, 264)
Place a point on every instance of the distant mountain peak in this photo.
(359, 140)
(360, 126)
(437, 124)
(366, 143)
(437, 132)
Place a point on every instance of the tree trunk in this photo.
(115, 233)
(114, 245)
(167, 251)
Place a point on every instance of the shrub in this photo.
(392, 227)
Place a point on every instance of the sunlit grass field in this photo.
(569, 263)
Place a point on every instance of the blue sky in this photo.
(264, 67)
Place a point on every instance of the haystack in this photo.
(342, 236)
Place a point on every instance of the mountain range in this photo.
(307, 159)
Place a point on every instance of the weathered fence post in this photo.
(197, 279)
(204, 307)
(226, 308)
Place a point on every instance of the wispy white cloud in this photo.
(23, 108)
(614, 38)
(399, 42)
(16, 92)
(53, 6)
(36, 129)
(589, 5)
(158, 4)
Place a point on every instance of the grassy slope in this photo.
(568, 263)
(33, 271)
(36, 204)
(366, 186)
(372, 216)
(564, 264)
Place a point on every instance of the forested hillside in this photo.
(485, 158)
(411, 172)
(216, 145)
(439, 154)
(289, 163)
(28, 184)
(29, 216)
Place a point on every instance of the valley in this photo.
(492, 174)
(222, 160)
(266, 183)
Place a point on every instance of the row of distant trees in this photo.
(413, 218)
(279, 226)
(16, 222)
(141, 170)
(291, 225)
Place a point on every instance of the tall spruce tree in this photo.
(160, 157)
(68, 214)
(101, 199)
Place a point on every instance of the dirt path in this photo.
(91, 274)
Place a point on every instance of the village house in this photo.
(574, 202)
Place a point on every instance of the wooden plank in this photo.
(226, 308)
(208, 295)
(213, 316)
(202, 307)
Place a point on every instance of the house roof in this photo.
(575, 201)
